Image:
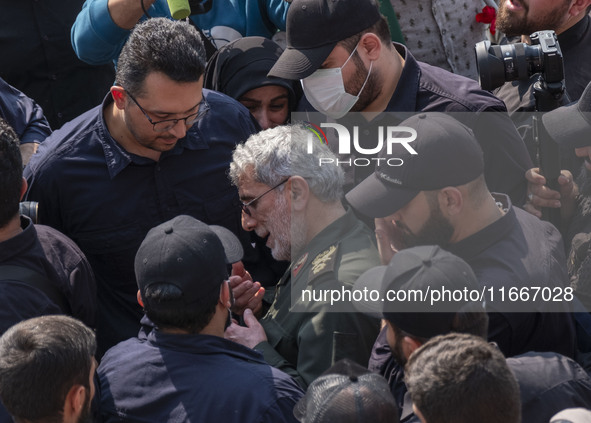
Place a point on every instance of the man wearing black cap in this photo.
(183, 369)
(342, 53)
(412, 269)
(439, 196)
(570, 127)
(549, 382)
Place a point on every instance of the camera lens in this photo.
(491, 69)
(509, 62)
(30, 209)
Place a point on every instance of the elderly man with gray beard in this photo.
(295, 203)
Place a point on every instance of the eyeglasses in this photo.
(167, 124)
(251, 203)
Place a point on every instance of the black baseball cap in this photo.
(447, 155)
(189, 254)
(571, 125)
(423, 268)
(314, 27)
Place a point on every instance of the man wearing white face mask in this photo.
(342, 53)
(325, 90)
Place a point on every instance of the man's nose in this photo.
(248, 222)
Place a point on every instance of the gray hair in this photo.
(277, 153)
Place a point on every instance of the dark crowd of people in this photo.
(294, 210)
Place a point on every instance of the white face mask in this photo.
(325, 90)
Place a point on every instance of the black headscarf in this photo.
(242, 65)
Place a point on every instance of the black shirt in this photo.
(107, 199)
(52, 254)
(520, 250)
(426, 88)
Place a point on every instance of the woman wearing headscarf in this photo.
(239, 69)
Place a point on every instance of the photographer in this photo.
(572, 25)
(570, 126)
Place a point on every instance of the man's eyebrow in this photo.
(245, 198)
(157, 112)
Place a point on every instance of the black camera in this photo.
(509, 62)
(30, 209)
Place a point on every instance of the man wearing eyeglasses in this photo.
(295, 204)
(159, 146)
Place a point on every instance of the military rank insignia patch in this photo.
(299, 264)
(324, 262)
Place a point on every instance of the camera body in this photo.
(498, 64)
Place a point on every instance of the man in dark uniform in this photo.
(183, 369)
(157, 147)
(295, 203)
(548, 381)
(342, 53)
(439, 196)
(41, 270)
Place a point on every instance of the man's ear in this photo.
(299, 192)
(119, 96)
(409, 345)
(75, 402)
(24, 187)
(225, 295)
(451, 201)
(419, 414)
(578, 6)
(371, 45)
(139, 299)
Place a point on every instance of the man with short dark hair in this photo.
(41, 270)
(462, 379)
(157, 147)
(439, 197)
(342, 53)
(47, 369)
(183, 369)
(518, 19)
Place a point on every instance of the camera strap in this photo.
(36, 280)
(210, 48)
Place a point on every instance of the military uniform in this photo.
(306, 342)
